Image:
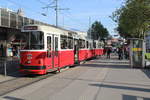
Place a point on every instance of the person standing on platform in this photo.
(120, 53)
(108, 53)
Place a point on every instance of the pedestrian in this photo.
(104, 51)
(120, 53)
(126, 52)
(14, 50)
(108, 53)
(18, 52)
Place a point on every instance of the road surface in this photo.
(99, 79)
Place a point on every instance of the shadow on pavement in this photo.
(123, 83)
(147, 72)
(10, 68)
(12, 98)
(116, 66)
(131, 97)
(111, 61)
(121, 87)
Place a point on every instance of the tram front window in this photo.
(34, 40)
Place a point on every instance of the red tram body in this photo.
(49, 49)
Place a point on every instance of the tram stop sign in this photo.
(137, 52)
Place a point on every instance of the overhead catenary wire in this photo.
(75, 19)
(54, 5)
(44, 3)
(69, 16)
(72, 19)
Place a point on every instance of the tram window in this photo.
(63, 40)
(56, 43)
(70, 42)
(87, 44)
(94, 44)
(82, 43)
(49, 42)
(90, 45)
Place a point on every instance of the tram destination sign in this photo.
(30, 27)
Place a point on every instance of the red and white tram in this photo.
(48, 48)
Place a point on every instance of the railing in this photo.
(8, 66)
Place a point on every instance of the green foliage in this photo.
(98, 31)
(147, 56)
(133, 18)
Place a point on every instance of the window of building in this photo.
(20, 22)
(26, 21)
(13, 21)
(4, 17)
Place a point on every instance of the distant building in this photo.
(10, 29)
(112, 41)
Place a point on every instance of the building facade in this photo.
(10, 30)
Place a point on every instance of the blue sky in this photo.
(77, 17)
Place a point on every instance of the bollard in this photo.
(5, 68)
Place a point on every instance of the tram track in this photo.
(20, 82)
(26, 80)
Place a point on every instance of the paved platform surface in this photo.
(100, 79)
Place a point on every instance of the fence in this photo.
(8, 66)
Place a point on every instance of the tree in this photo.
(133, 18)
(98, 31)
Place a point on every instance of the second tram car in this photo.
(48, 48)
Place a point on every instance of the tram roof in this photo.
(52, 28)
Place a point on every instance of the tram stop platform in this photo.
(97, 79)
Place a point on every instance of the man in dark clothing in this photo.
(108, 53)
(120, 53)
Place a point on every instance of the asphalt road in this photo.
(99, 79)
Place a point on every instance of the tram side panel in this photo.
(93, 53)
(89, 52)
(97, 52)
(101, 51)
(66, 58)
(83, 55)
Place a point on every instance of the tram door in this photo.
(52, 51)
(55, 51)
(76, 51)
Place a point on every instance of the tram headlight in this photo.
(29, 62)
